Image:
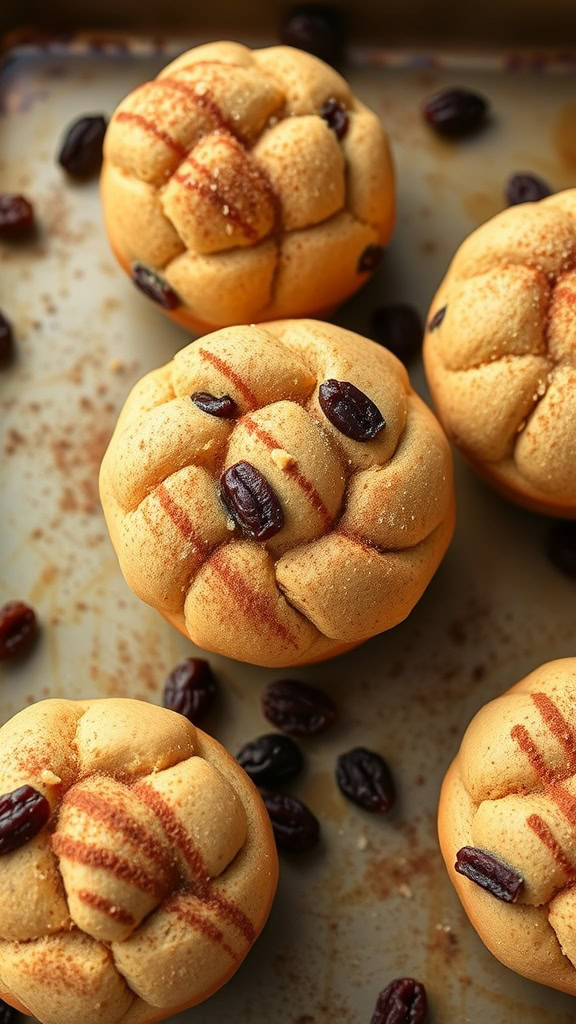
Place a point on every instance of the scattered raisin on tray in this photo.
(399, 328)
(489, 873)
(190, 689)
(562, 547)
(81, 151)
(297, 709)
(456, 113)
(316, 28)
(18, 629)
(403, 1001)
(350, 410)
(251, 501)
(365, 778)
(270, 760)
(296, 829)
(6, 340)
(16, 216)
(23, 813)
(526, 188)
(154, 287)
(222, 406)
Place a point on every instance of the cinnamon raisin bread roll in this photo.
(500, 353)
(507, 825)
(243, 185)
(137, 862)
(279, 493)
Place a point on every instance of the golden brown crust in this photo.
(135, 878)
(501, 364)
(365, 523)
(511, 791)
(222, 175)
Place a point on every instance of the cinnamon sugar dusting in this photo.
(564, 801)
(544, 833)
(91, 899)
(557, 724)
(153, 129)
(179, 517)
(200, 97)
(252, 603)
(197, 919)
(554, 790)
(118, 819)
(173, 828)
(528, 747)
(203, 888)
(98, 857)
(220, 199)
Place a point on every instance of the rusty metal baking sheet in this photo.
(374, 901)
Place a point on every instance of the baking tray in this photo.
(374, 901)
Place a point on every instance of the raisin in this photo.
(315, 28)
(251, 501)
(526, 188)
(190, 689)
(8, 1015)
(270, 760)
(16, 216)
(437, 319)
(490, 873)
(336, 116)
(562, 548)
(370, 259)
(22, 814)
(215, 405)
(81, 151)
(456, 112)
(297, 709)
(365, 778)
(6, 340)
(403, 1001)
(154, 286)
(18, 629)
(295, 828)
(399, 328)
(350, 410)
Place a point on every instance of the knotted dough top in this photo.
(223, 174)
(365, 523)
(152, 878)
(512, 793)
(501, 361)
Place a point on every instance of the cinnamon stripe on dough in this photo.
(152, 128)
(222, 366)
(98, 857)
(291, 470)
(91, 899)
(253, 604)
(204, 890)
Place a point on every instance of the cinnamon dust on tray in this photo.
(75, 448)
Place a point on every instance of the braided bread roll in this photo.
(365, 523)
(500, 353)
(224, 176)
(511, 792)
(153, 876)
